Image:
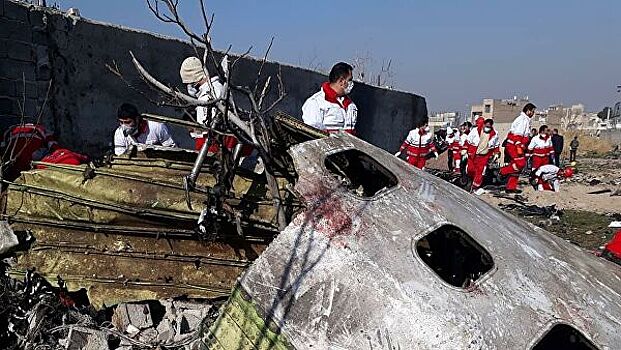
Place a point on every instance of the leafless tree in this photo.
(363, 64)
(250, 126)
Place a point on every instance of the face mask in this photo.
(129, 130)
(426, 129)
(487, 129)
(350, 86)
(192, 91)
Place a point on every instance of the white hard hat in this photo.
(449, 130)
(191, 70)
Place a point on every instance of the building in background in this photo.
(615, 119)
(444, 119)
(503, 111)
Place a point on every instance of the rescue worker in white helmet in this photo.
(204, 88)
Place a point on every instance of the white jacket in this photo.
(540, 147)
(473, 139)
(205, 94)
(462, 139)
(455, 137)
(325, 115)
(548, 173)
(521, 125)
(155, 134)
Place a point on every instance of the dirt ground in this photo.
(583, 218)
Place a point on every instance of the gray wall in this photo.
(81, 111)
(614, 136)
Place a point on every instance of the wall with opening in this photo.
(360, 173)
(454, 256)
(565, 337)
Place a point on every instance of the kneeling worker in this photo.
(331, 109)
(547, 177)
(133, 130)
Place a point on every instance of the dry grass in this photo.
(588, 144)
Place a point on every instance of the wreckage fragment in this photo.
(124, 232)
(347, 273)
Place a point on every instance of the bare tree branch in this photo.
(267, 52)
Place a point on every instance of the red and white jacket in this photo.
(454, 141)
(326, 111)
(473, 139)
(34, 134)
(462, 142)
(418, 143)
(540, 146)
(519, 131)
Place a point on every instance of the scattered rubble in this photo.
(37, 315)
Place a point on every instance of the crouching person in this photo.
(483, 147)
(547, 177)
(419, 146)
(133, 130)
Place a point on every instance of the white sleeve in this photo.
(410, 139)
(352, 114)
(203, 112)
(470, 137)
(311, 114)
(164, 137)
(523, 127)
(532, 144)
(120, 142)
(218, 88)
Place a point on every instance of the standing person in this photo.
(331, 109)
(419, 146)
(133, 130)
(204, 88)
(463, 151)
(517, 140)
(557, 145)
(454, 149)
(573, 148)
(540, 148)
(483, 145)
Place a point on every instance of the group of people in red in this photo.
(472, 149)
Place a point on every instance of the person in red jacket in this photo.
(483, 144)
(419, 146)
(27, 142)
(454, 149)
(540, 148)
(517, 141)
(24, 143)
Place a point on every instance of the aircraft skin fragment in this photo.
(345, 274)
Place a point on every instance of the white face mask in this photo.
(426, 129)
(487, 129)
(129, 130)
(192, 91)
(350, 86)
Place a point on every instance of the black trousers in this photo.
(572, 155)
(556, 159)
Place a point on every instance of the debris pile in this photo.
(36, 314)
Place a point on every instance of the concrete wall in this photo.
(613, 136)
(73, 53)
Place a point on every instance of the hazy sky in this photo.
(452, 52)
